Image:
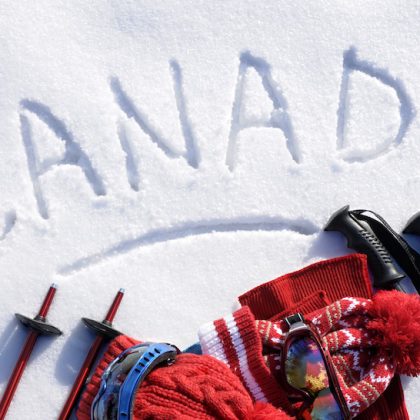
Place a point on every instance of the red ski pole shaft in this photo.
(24, 356)
(17, 373)
(114, 307)
(89, 360)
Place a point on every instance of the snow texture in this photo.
(188, 151)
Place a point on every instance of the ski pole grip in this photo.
(361, 238)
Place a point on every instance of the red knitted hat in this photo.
(314, 287)
(194, 387)
(369, 341)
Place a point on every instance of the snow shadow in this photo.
(73, 353)
(13, 339)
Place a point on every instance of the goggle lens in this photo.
(106, 403)
(306, 370)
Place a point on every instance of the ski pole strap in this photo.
(406, 257)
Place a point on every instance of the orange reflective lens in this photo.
(306, 370)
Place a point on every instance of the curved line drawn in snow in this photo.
(9, 222)
(407, 110)
(279, 118)
(255, 224)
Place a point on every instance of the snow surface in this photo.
(188, 151)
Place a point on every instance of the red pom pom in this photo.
(396, 320)
(264, 411)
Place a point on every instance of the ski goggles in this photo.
(308, 375)
(121, 379)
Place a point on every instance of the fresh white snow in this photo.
(188, 151)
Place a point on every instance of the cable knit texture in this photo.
(306, 290)
(194, 387)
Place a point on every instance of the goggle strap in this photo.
(154, 355)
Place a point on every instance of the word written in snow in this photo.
(277, 119)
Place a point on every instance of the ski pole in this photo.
(39, 326)
(362, 238)
(103, 331)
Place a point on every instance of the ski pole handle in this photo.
(361, 238)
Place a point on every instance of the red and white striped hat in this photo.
(369, 341)
(234, 340)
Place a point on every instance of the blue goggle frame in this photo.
(121, 379)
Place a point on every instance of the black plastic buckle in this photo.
(293, 319)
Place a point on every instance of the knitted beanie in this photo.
(194, 387)
(314, 287)
(369, 341)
